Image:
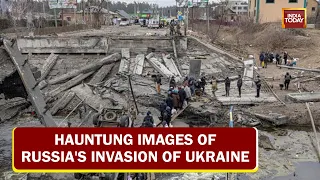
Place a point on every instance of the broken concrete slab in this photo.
(11, 107)
(195, 68)
(138, 64)
(124, 66)
(48, 65)
(171, 65)
(73, 82)
(274, 118)
(84, 92)
(160, 67)
(304, 97)
(246, 100)
(266, 141)
(62, 102)
(125, 53)
(88, 68)
(101, 74)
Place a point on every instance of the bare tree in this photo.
(19, 9)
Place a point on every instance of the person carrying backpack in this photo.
(148, 120)
(167, 115)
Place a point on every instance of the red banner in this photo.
(135, 150)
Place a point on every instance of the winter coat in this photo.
(188, 92)
(239, 82)
(169, 102)
(176, 100)
(182, 95)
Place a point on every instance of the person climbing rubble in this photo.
(203, 84)
(162, 108)
(258, 86)
(287, 79)
(239, 84)
(182, 97)
(169, 100)
(172, 82)
(167, 116)
(148, 120)
(158, 83)
(214, 85)
(227, 86)
(186, 81)
(198, 88)
(176, 99)
(191, 85)
(188, 93)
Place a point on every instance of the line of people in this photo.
(227, 83)
(269, 57)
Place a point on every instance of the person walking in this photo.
(258, 86)
(287, 79)
(203, 84)
(182, 97)
(239, 84)
(158, 83)
(285, 57)
(227, 85)
(261, 58)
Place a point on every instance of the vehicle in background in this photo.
(154, 22)
(124, 22)
(144, 23)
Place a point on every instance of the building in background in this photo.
(312, 8)
(262, 11)
(240, 7)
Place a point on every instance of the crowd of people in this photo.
(270, 57)
(178, 97)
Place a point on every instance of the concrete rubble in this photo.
(100, 82)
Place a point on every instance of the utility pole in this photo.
(208, 16)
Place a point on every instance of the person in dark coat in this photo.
(227, 85)
(287, 79)
(167, 115)
(285, 57)
(172, 82)
(261, 58)
(258, 86)
(162, 107)
(169, 101)
(182, 96)
(148, 120)
(278, 59)
(203, 84)
(191, 85)
(239, 84)
(176, 99)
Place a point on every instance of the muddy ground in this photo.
(278, 154)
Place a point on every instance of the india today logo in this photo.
(294, 18)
